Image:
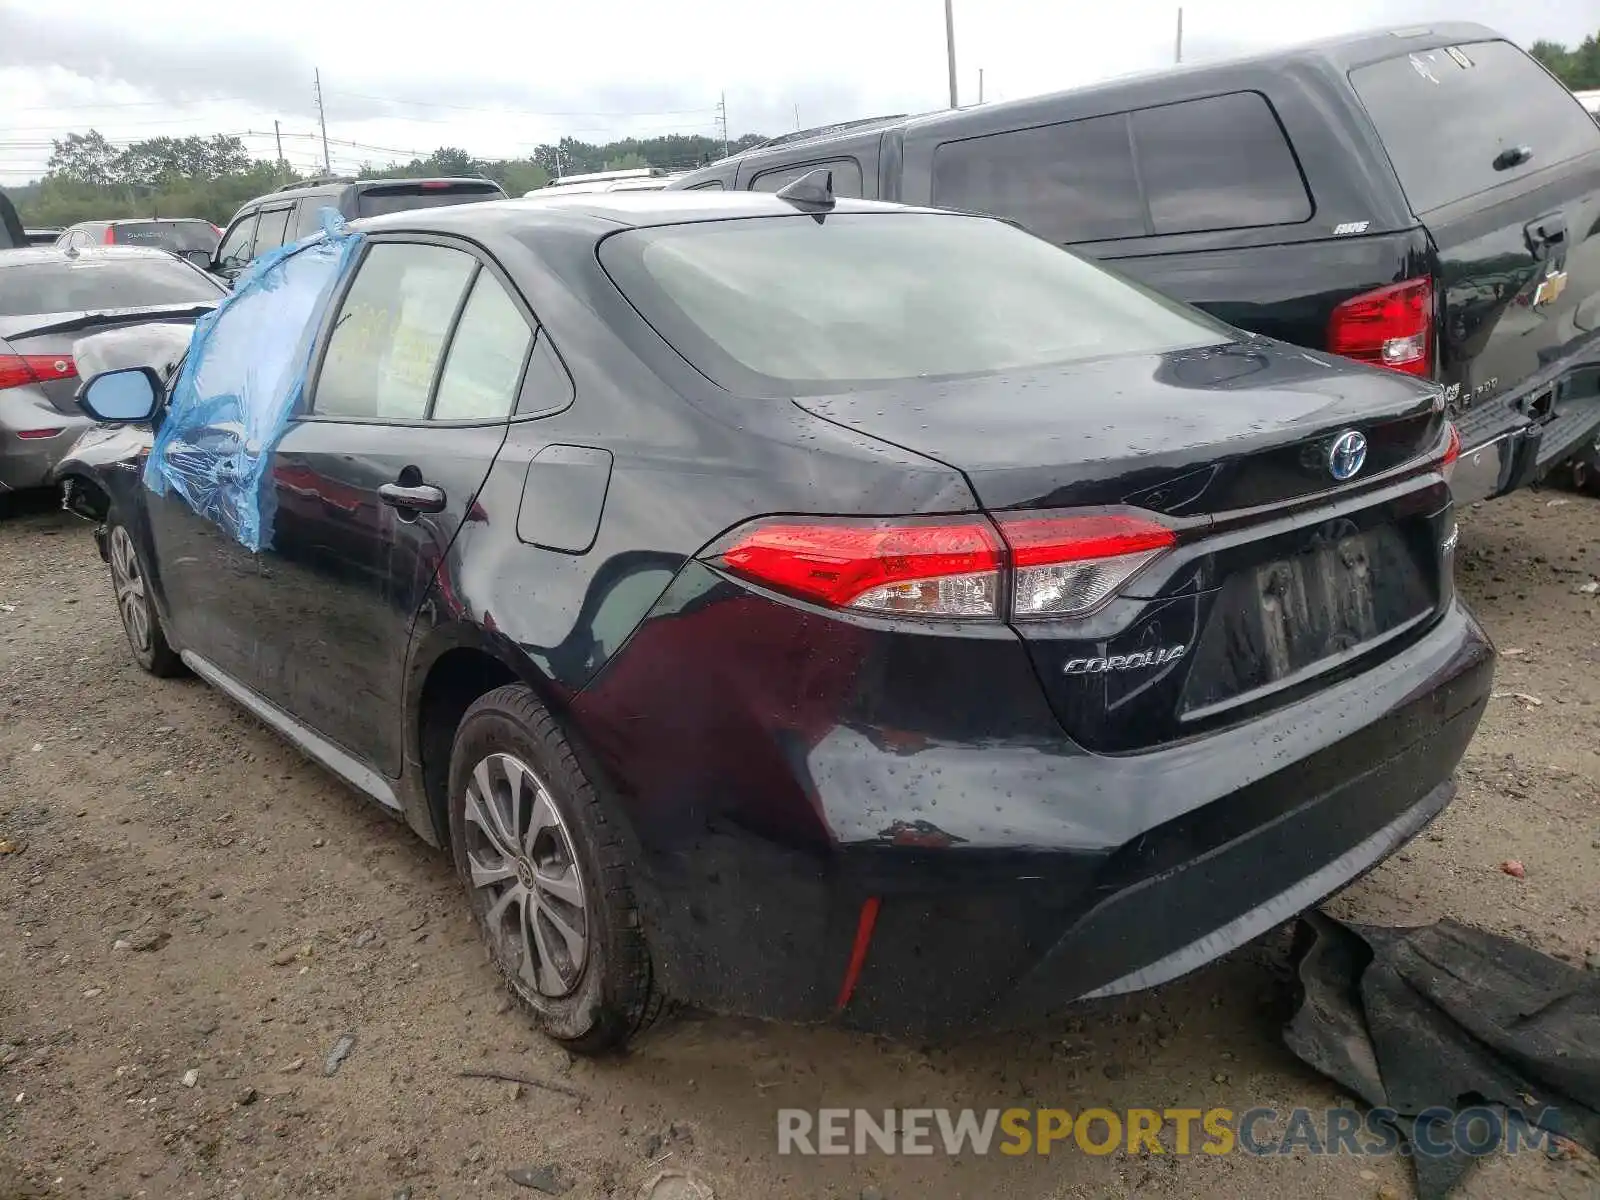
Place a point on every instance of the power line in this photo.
(525, 112)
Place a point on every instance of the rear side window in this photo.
(846, 176)
(1218, 163)
(1448, 116)
(308, 217)
(272, 230)
(390, 334)
(92, 282)
(401, 197)
(790, 305)
(712, 185)
(487, 353)
(1067, 183)
(235, 248)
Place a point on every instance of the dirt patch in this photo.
(190, 902)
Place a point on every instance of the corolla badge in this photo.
(1347, 455)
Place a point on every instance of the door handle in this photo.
(417, 498)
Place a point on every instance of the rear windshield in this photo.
(88, 283)
(375, 202)
(794, 305)
(177, 236)
(1447, 116)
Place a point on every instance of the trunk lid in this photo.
(1284, 577)
(47, 340)
(1187, 434)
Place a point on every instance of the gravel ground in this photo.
(194, 916)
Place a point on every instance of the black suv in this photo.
(1427, 200)
(293, 211)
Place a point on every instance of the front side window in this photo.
(792, 305)
(235, 248)
(487, 353)
(1218, 163)
(390, 333)
(1067, 183)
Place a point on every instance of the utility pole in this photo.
(950, 46)
(1177, 50)
(722, 116)
(980, 85)
(797, 118)
(278, 137)
(322, 119)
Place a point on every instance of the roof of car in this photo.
(630, 209)
(30, 255)
(1343, 53)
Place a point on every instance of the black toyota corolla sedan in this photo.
(803, 607)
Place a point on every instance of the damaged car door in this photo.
(407, 405)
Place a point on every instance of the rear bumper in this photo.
(1509, 443)
(27, 463)
(1013, 879)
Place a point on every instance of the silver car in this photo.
(48, 299)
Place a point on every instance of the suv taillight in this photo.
(1033, 566)
(1390, 327)
(110, 238)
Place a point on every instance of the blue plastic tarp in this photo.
(243, 380)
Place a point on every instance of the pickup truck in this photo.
(1426, 200)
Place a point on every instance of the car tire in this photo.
(547, 873)
(140, 621)
(1583, 469)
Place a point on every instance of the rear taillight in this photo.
(1066, 566)
(20, 370)
(1031, 567)
(110, 238)
(926, 568)
(36, 435)
(1391, 327)
(1452, 450)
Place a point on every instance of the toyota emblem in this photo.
(1347, 455)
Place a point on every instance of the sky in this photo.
(497, 79)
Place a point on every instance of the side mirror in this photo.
(199, 258)
(117, 397)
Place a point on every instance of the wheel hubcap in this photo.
(129, 583)
(522, 865)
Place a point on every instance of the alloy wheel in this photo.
(522, 864)
(129, 583)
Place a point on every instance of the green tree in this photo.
(1578, 68)
(86, 158)
(90, 178)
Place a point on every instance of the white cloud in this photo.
(498, 79)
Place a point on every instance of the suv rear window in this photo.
(399, 197)
(1218, 163)
(1446, 115)
(92, 282)
(177, 236)
(790, 305)
(1067, 183)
